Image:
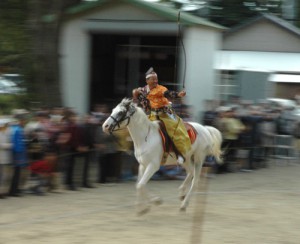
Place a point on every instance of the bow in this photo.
(180, 41)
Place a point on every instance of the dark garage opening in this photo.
(115, 59)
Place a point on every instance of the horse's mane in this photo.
(126, 101)
(129, 102)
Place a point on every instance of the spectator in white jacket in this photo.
(5, 157)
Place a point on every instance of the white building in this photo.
(107, 46)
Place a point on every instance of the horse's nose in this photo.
(106, 127)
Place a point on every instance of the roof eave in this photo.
(273, 19)
(170, 14)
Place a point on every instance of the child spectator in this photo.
(43, 171)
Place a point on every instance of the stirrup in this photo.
(180, 159)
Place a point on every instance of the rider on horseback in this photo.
(155, 100)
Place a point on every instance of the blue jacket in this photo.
(18, 146)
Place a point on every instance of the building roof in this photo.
(168, 13)
(269, 17)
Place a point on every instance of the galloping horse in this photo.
(148, 150)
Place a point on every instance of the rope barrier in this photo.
(97, 150)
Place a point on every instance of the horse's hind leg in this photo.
(197, 170)
(186, 182)
(142, 196)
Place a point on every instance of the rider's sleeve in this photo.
(140, 97)
(135, 93)
(171, 94)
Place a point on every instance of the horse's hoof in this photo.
(143, 211)
(182, 209)
(157, 201)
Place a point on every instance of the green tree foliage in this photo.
(231, 12)
(14, 48)
(13, 37)
(8, 102)
(30, 46)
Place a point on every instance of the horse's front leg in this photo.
(145, 175)
(140, 192)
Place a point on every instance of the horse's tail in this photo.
(217, 142)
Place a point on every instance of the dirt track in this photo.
(260, 207)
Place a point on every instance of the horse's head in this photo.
(120, 116)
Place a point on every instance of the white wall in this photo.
(75, 63)
(201, 46)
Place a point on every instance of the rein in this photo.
(146, 138)
(118, 122)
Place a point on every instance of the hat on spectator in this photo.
(42, 114)
(19, 113)
(56, 118)
(4, 121)
(224, 109)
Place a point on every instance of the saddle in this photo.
(168, 144)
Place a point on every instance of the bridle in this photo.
(121, 116)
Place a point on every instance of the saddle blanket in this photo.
(167, 144)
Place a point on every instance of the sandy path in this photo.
(259, 207)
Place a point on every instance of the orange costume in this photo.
(156, 97)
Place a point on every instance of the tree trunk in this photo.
(45, 48)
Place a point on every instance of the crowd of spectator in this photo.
(249, 130)
(40, 150)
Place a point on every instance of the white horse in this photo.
(148, 150)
